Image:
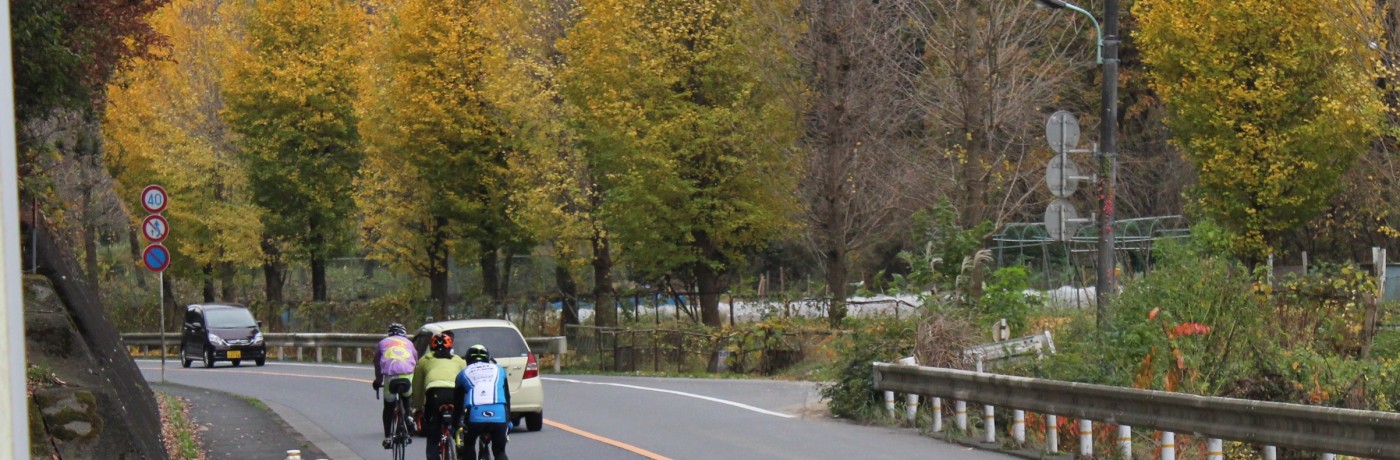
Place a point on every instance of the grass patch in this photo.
(256, 403)
(177, 430)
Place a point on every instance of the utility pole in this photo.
(1108, 163)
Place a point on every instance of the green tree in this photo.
(290, 95)
(690, 141)
(1271, 102)
(436, 173)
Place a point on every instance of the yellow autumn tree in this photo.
(435, 182)
(1272, 102)
(551, 181)
(162, 125)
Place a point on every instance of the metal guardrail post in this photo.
(960, 410)
(1018, 426)
(1086, 437)
(1052, 433)
(937, 415)
(990, 423)
(1125, 441)
(1270, 453)
(1168, 445)
(1369, 434)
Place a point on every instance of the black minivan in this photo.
(221, 332)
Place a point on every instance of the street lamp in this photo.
(1107, 37)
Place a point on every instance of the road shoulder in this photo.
(232, 427)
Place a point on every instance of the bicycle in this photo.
(399, 425)
(447, 441)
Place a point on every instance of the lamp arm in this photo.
(1098, 30)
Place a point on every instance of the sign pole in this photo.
(161, 301)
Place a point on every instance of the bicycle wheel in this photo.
(447, 447)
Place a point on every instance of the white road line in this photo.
(678, 393)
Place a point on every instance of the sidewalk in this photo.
(231, 427)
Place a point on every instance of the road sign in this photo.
(156, 228)
(153, 199)
(1062, 176)
(156, 258)
(1062, 220)
(1062, 130)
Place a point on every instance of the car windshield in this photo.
(502, 342)
(229, 318)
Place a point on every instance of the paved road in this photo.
(586, 417)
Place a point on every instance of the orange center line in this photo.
(283, 374)
(612, 442)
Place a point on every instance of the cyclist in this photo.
(395, 358)
(483, 402)
(434, 381)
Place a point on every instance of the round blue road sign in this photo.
(156, 258)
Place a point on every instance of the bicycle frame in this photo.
(447, 443)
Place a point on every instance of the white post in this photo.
(339, 357)
(298, 354)
(1125, 441)
(937, 415)
(1052, 433)
(1086, 437)
(359, 356)
(990, 422)
(1018, 426)
(1168, 445)
(1215, 450)
(1271, 452)
(911, 400)
(889, 403)
(318, 353)
(15, 424)
(1329, 456)
(960, 409)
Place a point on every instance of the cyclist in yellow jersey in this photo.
(434, 380)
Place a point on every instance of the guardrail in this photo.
(1333, 431)
(321, 341)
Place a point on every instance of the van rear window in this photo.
(502, 342)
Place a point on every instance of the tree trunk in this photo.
(707, 282)
(318, 278)
(173, 312)
(208, 278)
(273, 276)
(506, 266)
(90, 248)
(135, 244)
(836, 284)
(227, 283)
(568, 293)
(490, 275)
(604, 313)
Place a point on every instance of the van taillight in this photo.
(532, 368)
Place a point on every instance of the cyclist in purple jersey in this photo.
(395, 358)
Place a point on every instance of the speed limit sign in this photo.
(153, 199)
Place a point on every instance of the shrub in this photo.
(853, 395)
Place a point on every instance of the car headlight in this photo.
(257, 338)
(216, 340)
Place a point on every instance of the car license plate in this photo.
(234, 354)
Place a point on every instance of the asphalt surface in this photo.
(232, 427)
(586, 417)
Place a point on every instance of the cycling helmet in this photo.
(440, 342)
(397, 329)
(478, 353)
